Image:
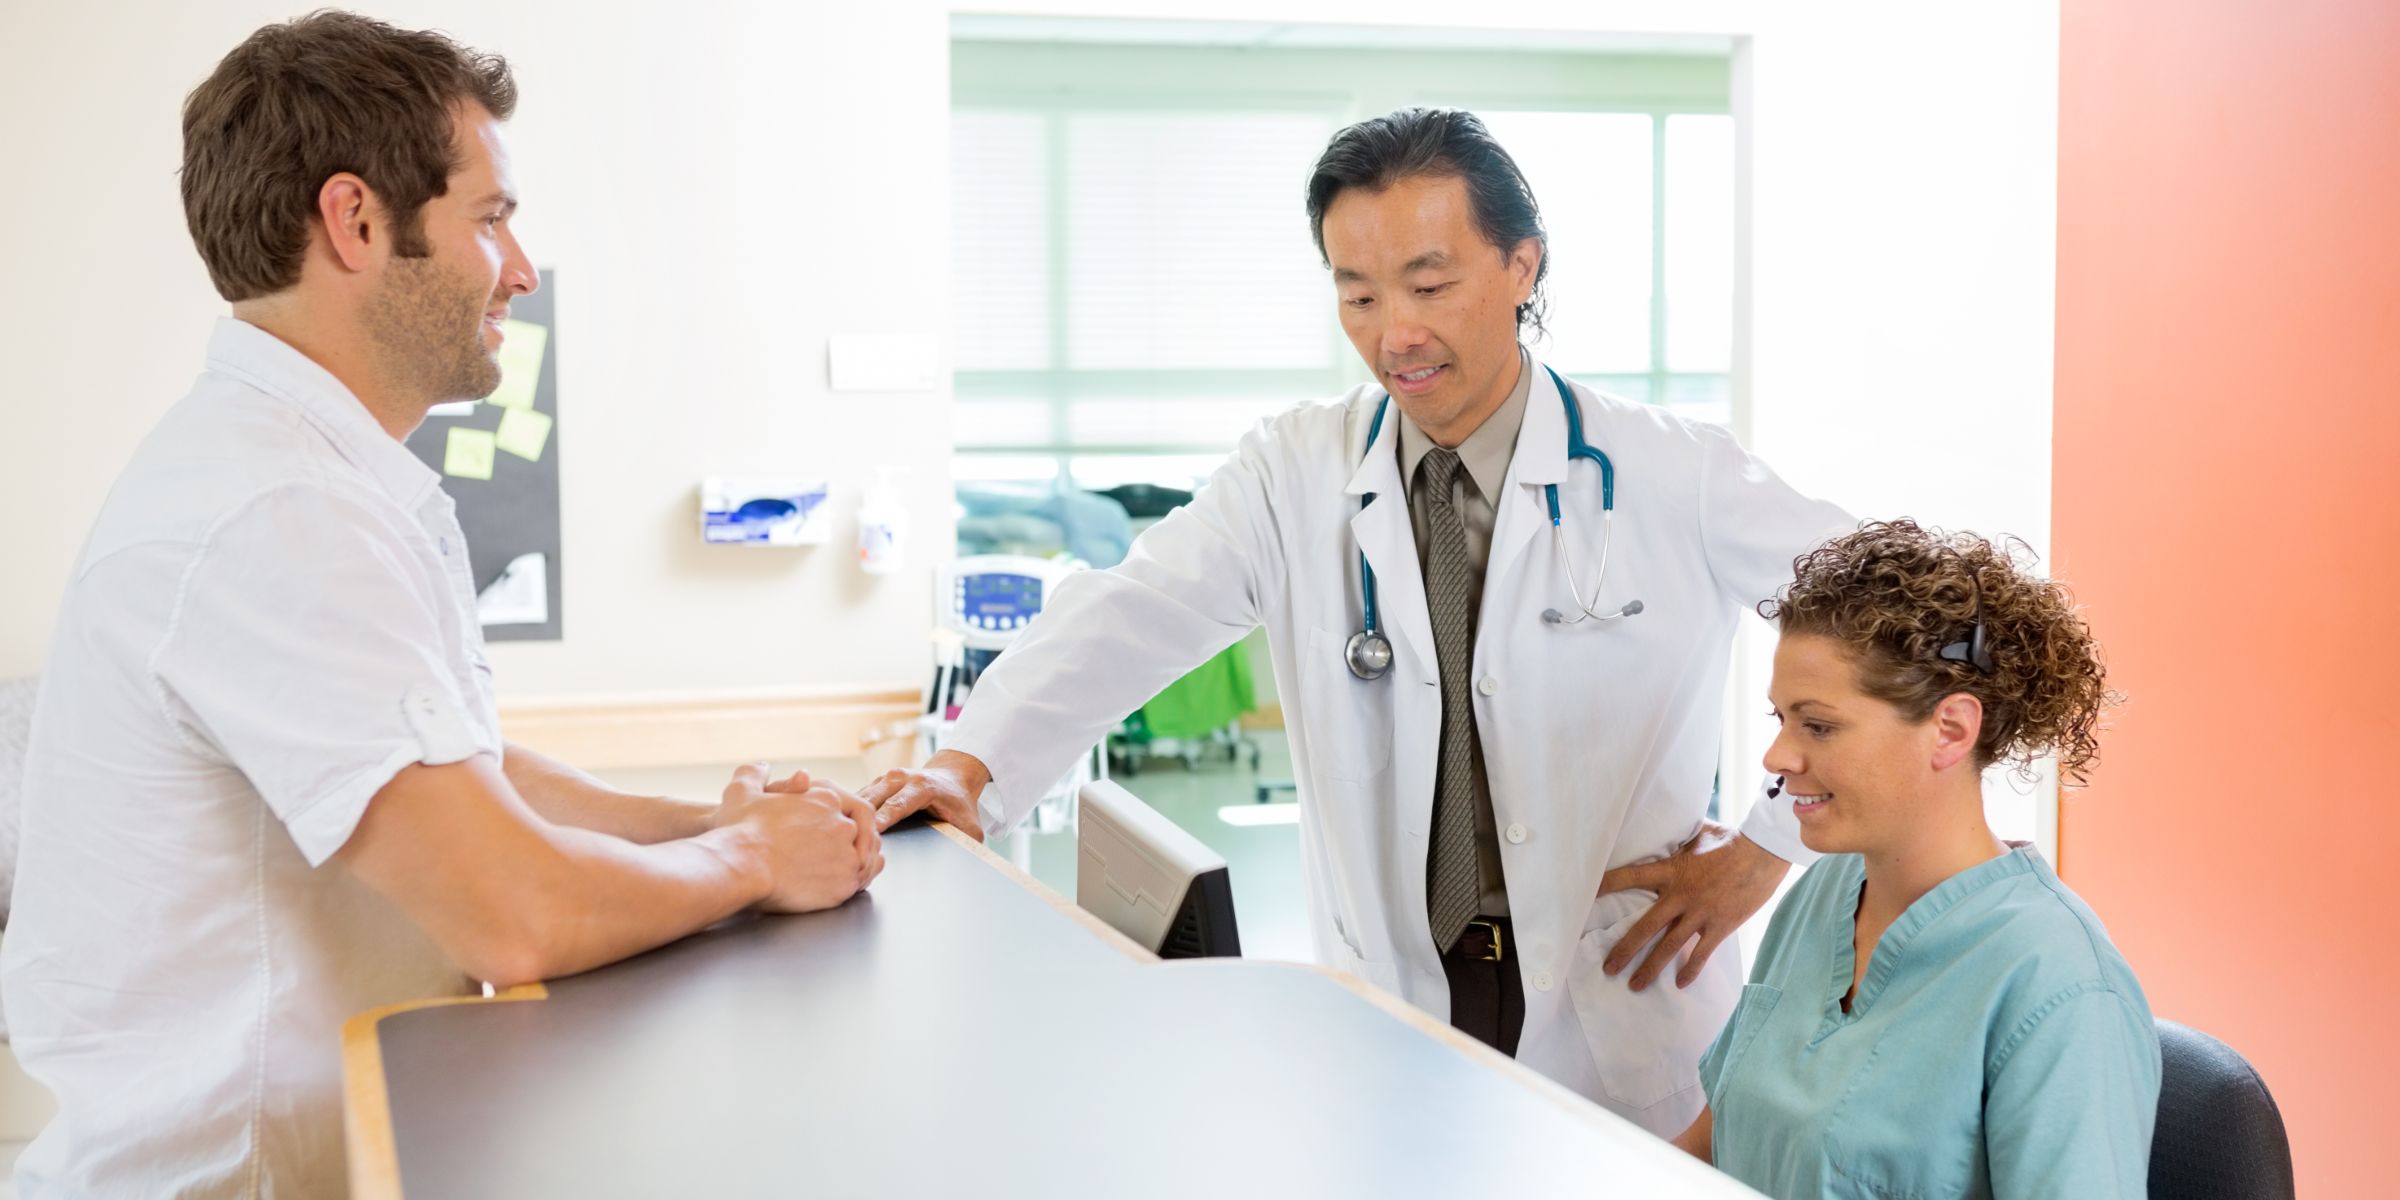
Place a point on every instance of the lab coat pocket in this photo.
(1345, 722)
(1645, 1045)
(1382, 974)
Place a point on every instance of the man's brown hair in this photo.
(303, 100)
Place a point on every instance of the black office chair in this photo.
(2219, 1135)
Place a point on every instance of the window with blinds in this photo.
(1136, 285)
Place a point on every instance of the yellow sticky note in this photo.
(469, 454)
(521, 347)
(523, 432)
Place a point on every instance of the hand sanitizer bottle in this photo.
(882, 525)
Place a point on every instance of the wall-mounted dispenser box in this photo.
(765, 511)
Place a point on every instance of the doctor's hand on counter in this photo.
(819, 842)
(1718, 880)
(948, 785)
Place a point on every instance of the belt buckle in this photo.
(1498, 951)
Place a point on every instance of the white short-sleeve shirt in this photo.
(272, 617)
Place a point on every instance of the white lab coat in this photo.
(1600, 739)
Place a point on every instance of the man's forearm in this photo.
(512, 898)
(616, 900)
(563, 795)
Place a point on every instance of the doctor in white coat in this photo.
(1500, 819)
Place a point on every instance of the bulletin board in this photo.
(499, 462)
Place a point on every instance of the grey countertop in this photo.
(953, 1034)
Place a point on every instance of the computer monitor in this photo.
(1151, 880)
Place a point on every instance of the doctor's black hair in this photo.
(1381, 151)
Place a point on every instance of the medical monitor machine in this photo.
(1150, 880)
(982, 604)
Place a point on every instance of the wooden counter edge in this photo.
(367, 1105)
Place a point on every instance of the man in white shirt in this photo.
(267, 787)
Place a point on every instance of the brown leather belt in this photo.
(1485, 939)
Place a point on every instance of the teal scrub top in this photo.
(1998, 1046)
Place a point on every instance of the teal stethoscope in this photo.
(1370, 653)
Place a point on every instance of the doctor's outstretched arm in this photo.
(1108, 642)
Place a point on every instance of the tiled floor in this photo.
(1262, 858)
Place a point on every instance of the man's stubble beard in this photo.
(427, 326)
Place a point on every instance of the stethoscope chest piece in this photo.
(1369, 654)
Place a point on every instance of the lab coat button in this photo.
(1541, 981)
(1516, 835)
(1489, 686)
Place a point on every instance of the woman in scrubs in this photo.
(1933, 1013)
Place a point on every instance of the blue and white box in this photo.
(765, 511)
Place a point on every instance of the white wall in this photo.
(717, 191)
(1903, 258)
(722, 189)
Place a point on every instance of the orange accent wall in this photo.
(2227, 505)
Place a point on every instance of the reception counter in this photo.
(961, 1031)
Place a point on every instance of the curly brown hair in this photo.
(1895, 593)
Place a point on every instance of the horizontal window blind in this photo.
(1136, 283)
